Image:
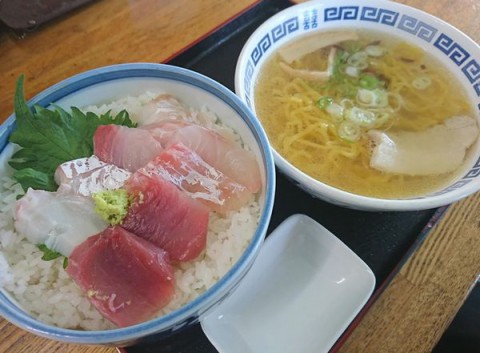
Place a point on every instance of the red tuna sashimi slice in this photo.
(165, 216)
(198, 179)
(218, 151)
(125, 277)
(127, 148)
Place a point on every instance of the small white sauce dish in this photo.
(303, 291)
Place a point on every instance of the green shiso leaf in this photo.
(48, 254)
(51, 137)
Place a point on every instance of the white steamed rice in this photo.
(44, 289)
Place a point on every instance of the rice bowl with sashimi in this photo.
(65, 293)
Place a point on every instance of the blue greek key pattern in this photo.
(418, 28)
(261, 48)
(459, 184)
(476, 87)
(309, 19)
(248, 80)
(289, 26)
(383, 16)
(248, 101)
(454, 51)
(474, 172)
(340, 13)
(472, 70)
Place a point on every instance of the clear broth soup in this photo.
(323, 126)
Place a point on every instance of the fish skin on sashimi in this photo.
(127, 148)
(184, 168)
(85, 176)
(125, 277)
(166, 216)
(218, 151)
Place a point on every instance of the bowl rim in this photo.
(226, 283)
(325, 191)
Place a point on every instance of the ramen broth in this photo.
(323, 126)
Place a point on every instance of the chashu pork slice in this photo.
(436, 150)
(125, 277)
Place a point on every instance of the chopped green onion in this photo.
(375, 50)
(336, 112)
(381, 97)
(324, 102)
(369, 81)
(422, 82)
(382, 118)
(372, 98)
(359, 60)
(365, 96)
(351, 71)
(360, 117)
(349, 131)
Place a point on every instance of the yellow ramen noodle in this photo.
(377, 83)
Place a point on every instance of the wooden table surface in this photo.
(420, 302)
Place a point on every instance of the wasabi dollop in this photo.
(112, 205)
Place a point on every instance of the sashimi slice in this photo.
(165, 216)
(163, 107)
(164, 130)
(127, 148)
(198, 179)
(86, 176)
(125, 277)
(60, 221)
(221, 153)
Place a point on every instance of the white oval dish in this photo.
(304, 289)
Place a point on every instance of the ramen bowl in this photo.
(108, 84)
(459, 54)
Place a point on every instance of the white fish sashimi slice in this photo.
(231, 159)
(223, 154)
(60, 221)
(439, 149)
(86, 176)
(164, 107)
(162, 131)
(127, 148)
(191, 174)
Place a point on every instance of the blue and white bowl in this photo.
(106, 84)
(459, 53)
